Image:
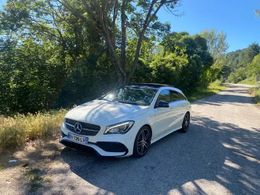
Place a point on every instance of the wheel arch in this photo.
(135, 149)
(150, 128)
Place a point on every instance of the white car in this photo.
(128, 120)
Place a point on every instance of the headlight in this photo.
(119, 128)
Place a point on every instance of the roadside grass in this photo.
(202, 92)
(256, 94)
(16, 130)
(1, 167)
(255, 91)
(249, 81)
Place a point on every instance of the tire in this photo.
(142, 142)
(186, 123)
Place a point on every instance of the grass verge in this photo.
(249, 81)
(202, 92)
(255, 91)
(256, 94)
(16, 130)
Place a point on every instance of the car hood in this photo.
(102, 112)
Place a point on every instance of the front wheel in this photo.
(186, 123)
(142, 142)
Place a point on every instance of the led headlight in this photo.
(119, 128)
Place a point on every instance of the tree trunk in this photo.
(123, 35)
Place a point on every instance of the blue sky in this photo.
(234, 17)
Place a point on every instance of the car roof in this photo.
(153, 85)
(156, 86)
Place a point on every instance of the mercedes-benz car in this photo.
(127, 120)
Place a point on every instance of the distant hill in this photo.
(238, 63)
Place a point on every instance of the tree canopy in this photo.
(216, 42)
(239, 63)
(56, 53)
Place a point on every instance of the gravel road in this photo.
(218, 155)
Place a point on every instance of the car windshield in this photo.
(132, 95)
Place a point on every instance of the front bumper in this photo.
(104, 145)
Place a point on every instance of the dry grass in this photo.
(16, 130)
(201, 92)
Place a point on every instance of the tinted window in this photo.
(175, 96)
(164, 96)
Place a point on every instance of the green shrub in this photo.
(249, 81)
(257, 95)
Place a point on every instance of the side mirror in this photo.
(161, 104)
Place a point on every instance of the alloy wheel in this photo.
(186, 122)
(143, 141)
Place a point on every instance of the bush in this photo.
(256, 94)
(16, 130)
(237, 76)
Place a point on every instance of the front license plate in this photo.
(78, 139)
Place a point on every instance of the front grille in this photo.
(87, 128)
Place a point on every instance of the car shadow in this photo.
(213, 151)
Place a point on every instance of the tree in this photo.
(44, 51)
(57, 53)
(240, 63)
(254, 67)
(29, 77)
(257, 12)
(117, 20)
(184, 61)
(216, 42)
(249, 53)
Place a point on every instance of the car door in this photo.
(177, 106)
(162, 116)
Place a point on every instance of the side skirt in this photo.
(156, 139)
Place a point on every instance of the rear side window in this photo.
(165, 96)
(175, 96)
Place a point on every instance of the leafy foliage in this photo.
(184, 62)
(216, 42)
(57, 53)
(241, 63)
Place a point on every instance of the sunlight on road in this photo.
(200, 186)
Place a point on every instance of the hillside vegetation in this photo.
(243, 66)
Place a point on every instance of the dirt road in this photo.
(219, 155)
